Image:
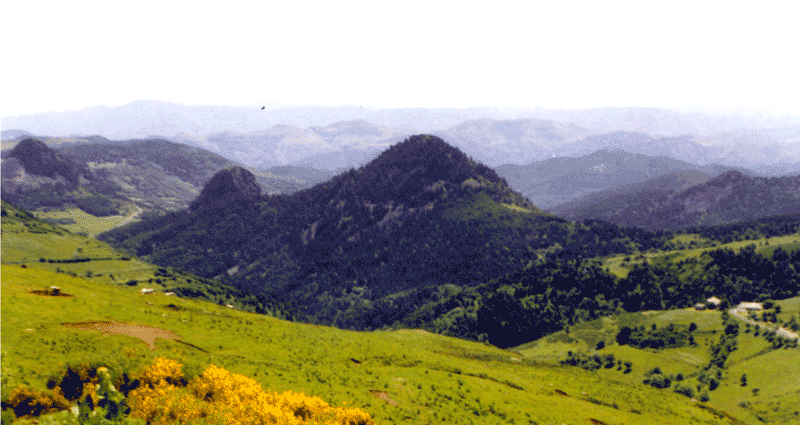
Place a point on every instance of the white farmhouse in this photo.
(750, 306)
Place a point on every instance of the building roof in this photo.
(714, 300)
(751, 306)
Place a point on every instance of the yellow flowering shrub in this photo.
(218, 396)
(162, 371)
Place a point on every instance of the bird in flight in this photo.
(262, 108)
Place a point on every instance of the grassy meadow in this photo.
(86, 223)
(775, 372)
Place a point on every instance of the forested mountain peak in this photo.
(38, 158)
(420, 164)
(727, 177)
(229, 185)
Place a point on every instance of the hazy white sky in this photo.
(74, 54)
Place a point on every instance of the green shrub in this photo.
(29, 402)
(7, 417)
(685, 390)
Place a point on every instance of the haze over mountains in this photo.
(553, 181)
(550, 156)
(495, 136)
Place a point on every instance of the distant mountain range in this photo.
(288, 145)
(687, 199)
(153, 174)
(495, 136)
(145, 118)
(554, 181)
(497, 142)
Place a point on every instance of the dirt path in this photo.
(131, 217)
(146, 333)
(780, 331)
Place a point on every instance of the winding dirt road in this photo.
(780, 331)
(131, 217)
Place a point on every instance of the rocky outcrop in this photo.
(229, 185)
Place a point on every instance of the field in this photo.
(775, 372)
(20, 245)
(87, 223)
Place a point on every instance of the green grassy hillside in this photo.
(78, 221)
(44, 246)
(774, 371)
(430, 377)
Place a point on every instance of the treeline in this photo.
(671, 336)
(529, 304)
(779, 225)
(592, 362)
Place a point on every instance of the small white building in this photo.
(228, 305)
(714, 301)
(750, 306)
(145, 291)
(55, 290)
(699, 306)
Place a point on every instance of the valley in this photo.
(416, 285)
(404, 374)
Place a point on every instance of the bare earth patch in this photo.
(383, 396)
(48, 293)
(146, 333)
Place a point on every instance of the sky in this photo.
(59, 56)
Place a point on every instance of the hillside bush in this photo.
(26, 401)
(685, 390)
(219, 396)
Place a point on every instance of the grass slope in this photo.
(432, 378)
(85, 223)
(618, 265)
(775, 372)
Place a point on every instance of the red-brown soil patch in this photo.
(48, 293)
(383, 396)
(146, 333)
(559, 392)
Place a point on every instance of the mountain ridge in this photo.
(727, 198)
(554, 181)
(419, 215)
